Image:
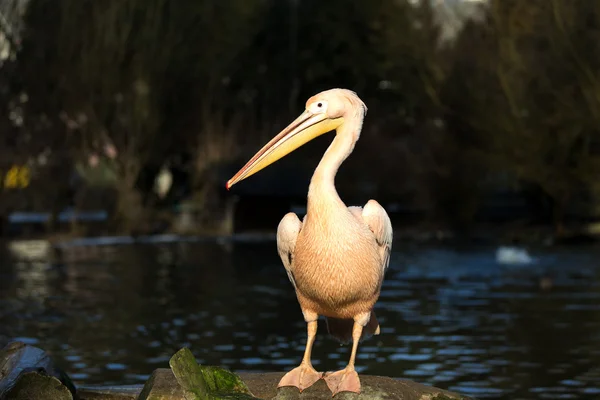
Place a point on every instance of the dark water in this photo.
(452, 318)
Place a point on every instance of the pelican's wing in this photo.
(379, 222)
(287, 234)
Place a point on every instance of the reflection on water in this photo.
(451, 318)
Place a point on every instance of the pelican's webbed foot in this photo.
(345, 380)
(302, 377)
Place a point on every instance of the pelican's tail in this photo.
(341, 329)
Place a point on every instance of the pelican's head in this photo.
(324, 113)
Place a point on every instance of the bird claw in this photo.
(345, 380)
(302, 377)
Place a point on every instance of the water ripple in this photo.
(451, 318)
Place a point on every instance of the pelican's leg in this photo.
(347, 380)
(304, 376)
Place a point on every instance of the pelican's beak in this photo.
(305, 128)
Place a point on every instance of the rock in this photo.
(264, 386)
(164, 386)
(130, 392)
(38, 386)
(27, 372)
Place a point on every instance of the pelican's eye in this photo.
(318, 107)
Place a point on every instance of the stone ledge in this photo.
(164, 386)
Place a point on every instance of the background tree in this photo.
(464, 102)
(529, 105)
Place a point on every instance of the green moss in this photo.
(207, 383)
(221, 380)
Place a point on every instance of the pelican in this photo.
(337, 256)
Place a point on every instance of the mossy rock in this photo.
(206, 383)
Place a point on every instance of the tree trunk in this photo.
(558, 213)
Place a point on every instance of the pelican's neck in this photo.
(322, 185)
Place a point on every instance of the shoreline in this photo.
(488, 234)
